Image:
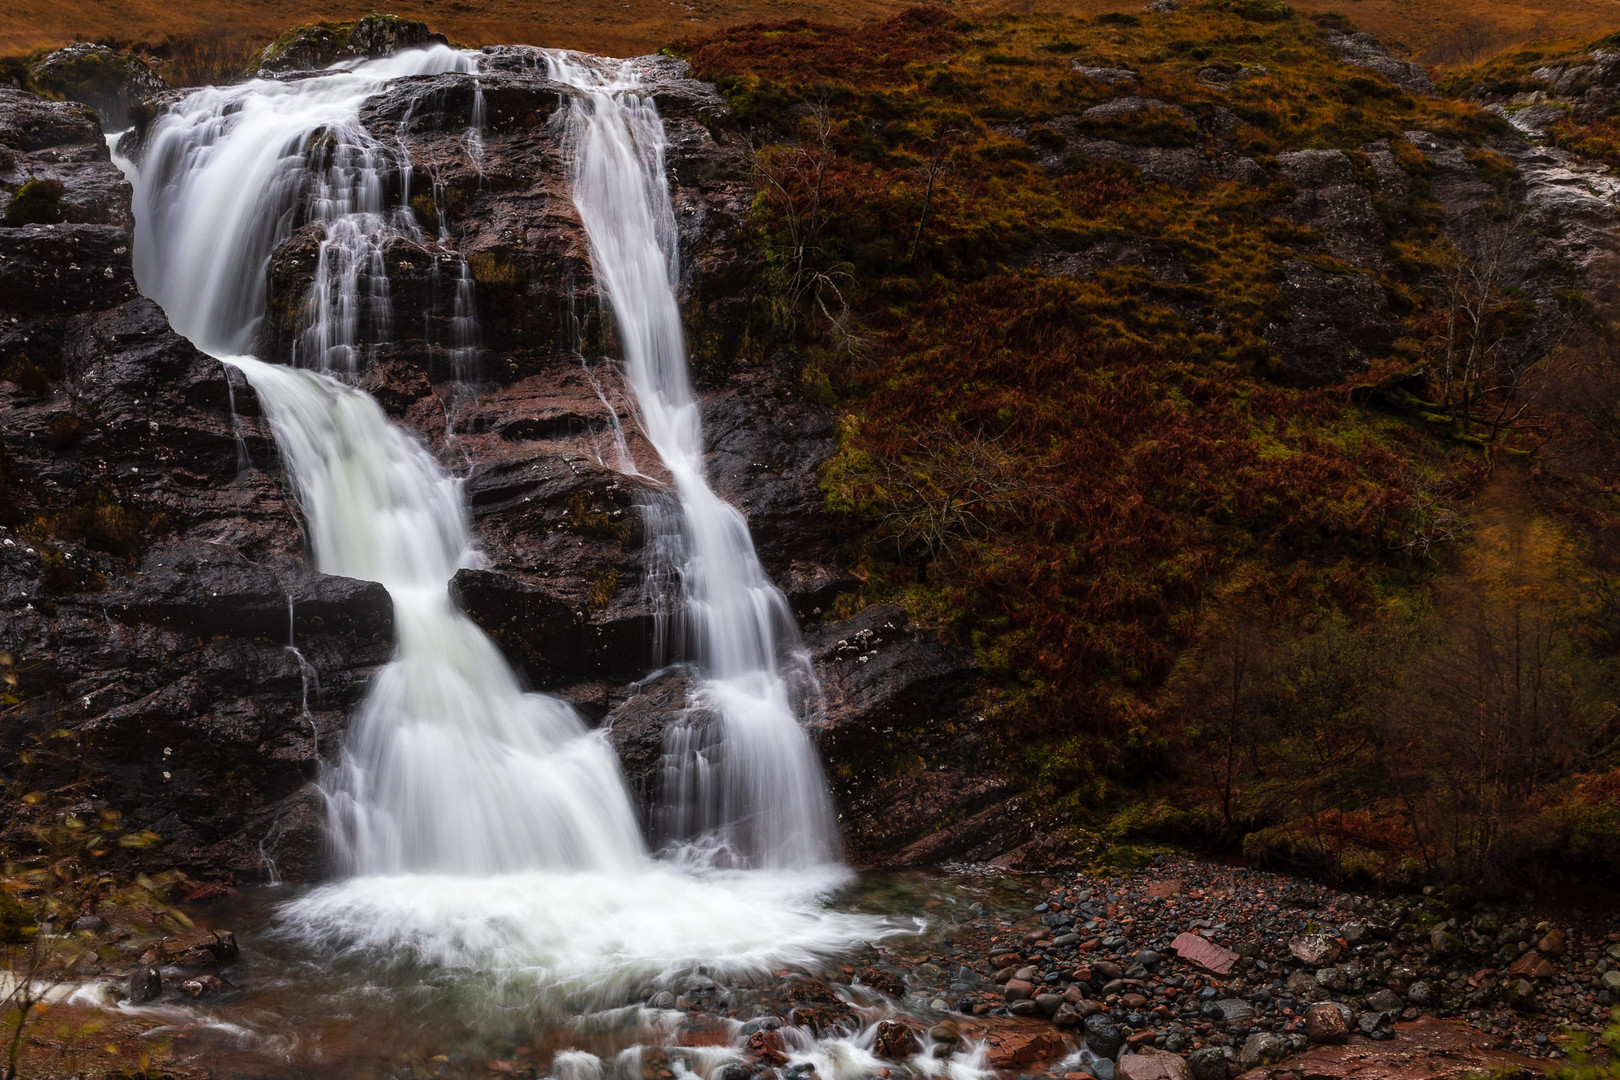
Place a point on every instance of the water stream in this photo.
(750, 791)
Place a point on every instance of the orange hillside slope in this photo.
(1434, 31)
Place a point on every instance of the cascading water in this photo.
(229, 172)
(481, 827)
(750, 790)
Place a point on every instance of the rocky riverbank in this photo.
(1231, 970)
(1182, 970)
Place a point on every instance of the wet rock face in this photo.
(493, 213)
(171, 652)
(1336, 324)
(150, 586)
(58, 145)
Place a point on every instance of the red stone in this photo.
(1532, 965)
(1204, 953)
(1017, 990)
(1021, 1048)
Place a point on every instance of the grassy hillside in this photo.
(1441, 31)
(1209, 605)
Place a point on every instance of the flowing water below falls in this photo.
(489, 868)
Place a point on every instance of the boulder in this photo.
(895, 1041)
(319, 45)
(108, 81)
(1337, 324)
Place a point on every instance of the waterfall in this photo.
(227, 174)
(749, 790)
(449, 767)
(475, 825)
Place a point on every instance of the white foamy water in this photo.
(477, 827)
(227, 174)
(750, 792)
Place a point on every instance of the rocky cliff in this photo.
(163, 621)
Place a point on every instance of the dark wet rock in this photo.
(1261, 1048)
(900, 753)
(895, 1041)
(89, 924)
(145, 984)
(1325, 1023)
(1207, 1064)
(1103, 1036)
(1337, 324)
(319, 45)
(108, 81)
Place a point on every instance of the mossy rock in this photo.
(37, 202)
(108, 81)
(322, 44)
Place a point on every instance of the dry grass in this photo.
(1434, 31)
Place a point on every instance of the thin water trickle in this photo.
(750, 792)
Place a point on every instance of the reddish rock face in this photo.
(1204, 953)
(1153, 1065)
(1423, 1050)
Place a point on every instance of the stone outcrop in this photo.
(1364, 50)
(108, 81)
(319, 45)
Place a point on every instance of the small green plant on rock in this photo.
(36, 202)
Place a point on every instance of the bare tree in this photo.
(948, 485)
(1222, 690)
(794, 179)
(1488, 714)
(1491, 337)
